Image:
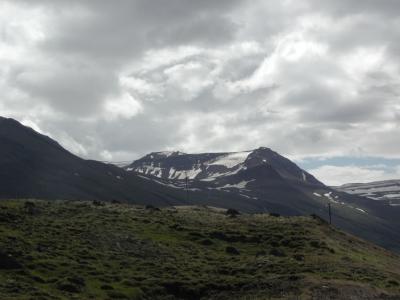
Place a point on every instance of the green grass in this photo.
(76, 250)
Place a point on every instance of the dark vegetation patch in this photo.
(276, 215)
(232, 250)
(8, 261)
(232, 212)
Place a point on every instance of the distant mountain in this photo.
(214, 166)
(262, 180)
(34, 166)
(265, 178)
(386, 191)
(262, 176)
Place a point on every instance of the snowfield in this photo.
(240, 185)
(231, 160)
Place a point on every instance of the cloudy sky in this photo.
(317, 81)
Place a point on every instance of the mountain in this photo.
(262, 176)
(265, 178)
(121, 251)
(262, 180)
(34, 166)
(386, 191)
(213, 166)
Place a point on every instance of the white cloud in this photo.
(338, 175)
(33, 125)
(72, 145)
(123, 107)
(186, 81)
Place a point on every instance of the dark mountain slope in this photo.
(34, 166)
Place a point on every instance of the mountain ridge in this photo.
(386, 191)
(173, 166)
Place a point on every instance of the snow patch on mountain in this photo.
(374, 189)
(150, 170)
(304, 176)
(231, 160)
(240, 185)
(392, 196)
(183, 174)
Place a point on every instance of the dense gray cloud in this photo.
(113, 80)
(345, 8)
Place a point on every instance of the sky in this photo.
(316, 81)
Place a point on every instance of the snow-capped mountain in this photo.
(262, 180)
(213, 167)
(262, 176)
(388, 191)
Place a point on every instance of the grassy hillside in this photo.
(79, 250)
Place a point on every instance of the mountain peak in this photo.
(167, 153)
(210, 166)
(9, 120)
(262, 148)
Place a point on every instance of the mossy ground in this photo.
(78, 250)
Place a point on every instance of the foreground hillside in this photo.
(84, 250)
